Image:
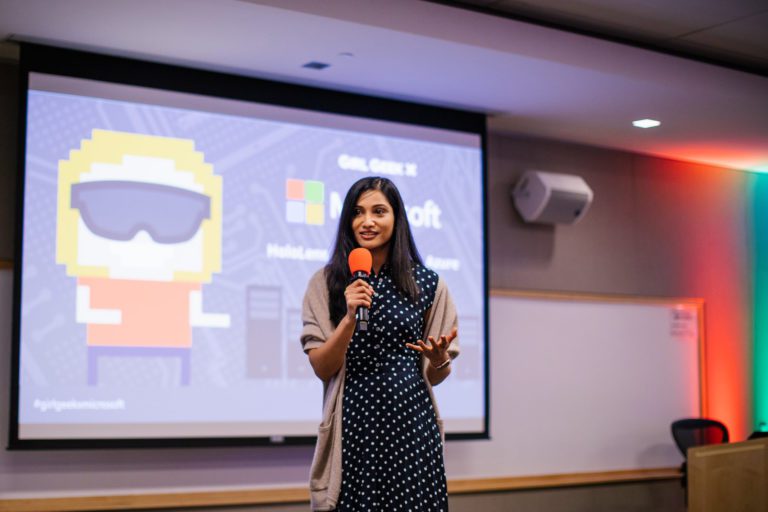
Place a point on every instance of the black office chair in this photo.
(691, 432)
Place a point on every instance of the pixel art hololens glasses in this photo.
(118, 210)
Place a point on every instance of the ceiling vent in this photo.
(316, 65)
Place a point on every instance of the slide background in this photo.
(239, 375)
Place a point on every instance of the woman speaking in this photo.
(380, 442)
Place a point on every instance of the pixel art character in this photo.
(139, 222)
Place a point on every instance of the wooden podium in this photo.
(729, 477)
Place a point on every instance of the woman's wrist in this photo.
(346, 328)
(441, 364)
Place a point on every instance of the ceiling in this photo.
(529, 77)
(728, 33)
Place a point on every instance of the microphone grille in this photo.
(360, 260)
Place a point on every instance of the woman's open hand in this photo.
(437, 350)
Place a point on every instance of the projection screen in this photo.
(167, 237)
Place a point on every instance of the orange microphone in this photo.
(360, 263)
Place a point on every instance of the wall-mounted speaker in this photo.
(550, 198)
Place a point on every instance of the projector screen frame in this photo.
(120, 70)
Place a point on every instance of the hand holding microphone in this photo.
(359, 293)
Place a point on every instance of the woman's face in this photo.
(373, 221)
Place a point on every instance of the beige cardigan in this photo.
(325, 475)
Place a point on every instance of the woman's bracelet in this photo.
(441, 365)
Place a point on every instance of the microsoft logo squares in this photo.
(304, 202)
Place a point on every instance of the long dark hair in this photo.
(402, 249)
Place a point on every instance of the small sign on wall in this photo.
(684, 323)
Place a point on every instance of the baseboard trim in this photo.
(288, 495)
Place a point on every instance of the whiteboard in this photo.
(581, 384)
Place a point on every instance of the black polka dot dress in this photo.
(392, 454)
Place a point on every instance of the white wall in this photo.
(636, 240)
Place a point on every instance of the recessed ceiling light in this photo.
(646, 123)
(316, 65)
